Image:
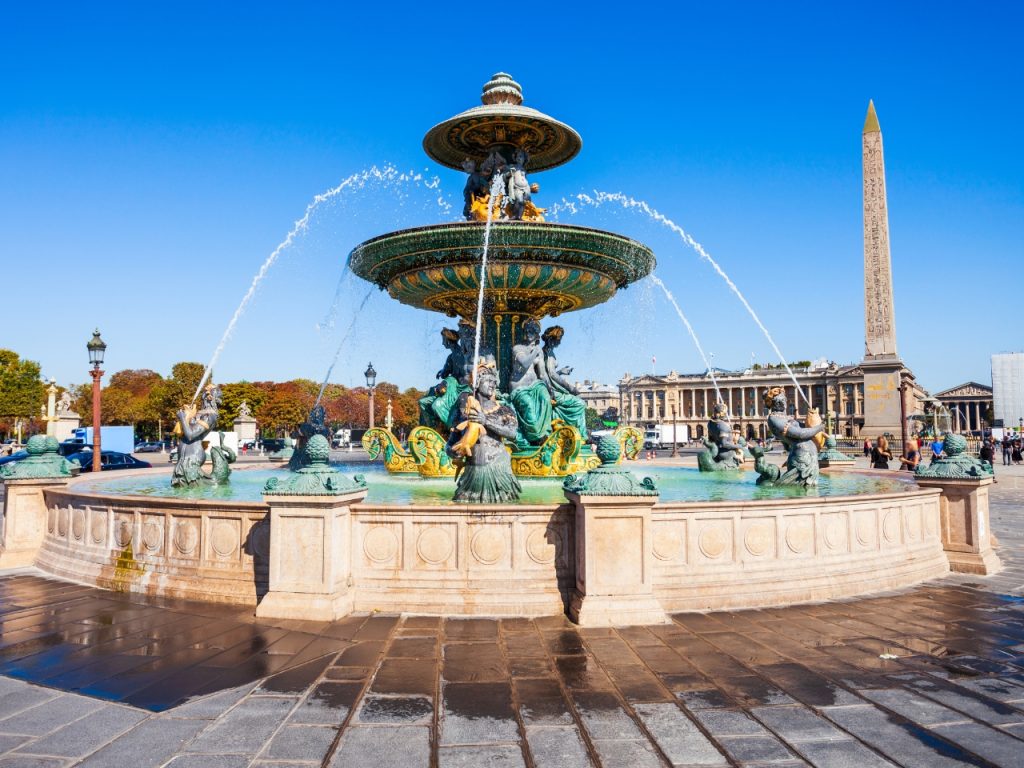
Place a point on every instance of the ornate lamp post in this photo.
(371, 382)
(903, 417)
(96, 347)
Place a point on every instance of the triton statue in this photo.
(193, 427)
(721, 451)
(802, 461)
(476, 443)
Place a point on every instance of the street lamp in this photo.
(96, 347)
(371, 382)
(675, 443)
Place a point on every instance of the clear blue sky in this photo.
(153, 154)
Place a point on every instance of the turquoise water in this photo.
(675, 484)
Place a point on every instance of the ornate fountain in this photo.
(535, 269)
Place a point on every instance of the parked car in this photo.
(109, 460)
(69, 447)
(273, 444)
(153, 446)
(16, 456)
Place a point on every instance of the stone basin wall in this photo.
(514, 560)
(193, 549)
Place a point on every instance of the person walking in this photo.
(880, 454)
(1015, 454)
(1007, 449)
(987, 452)
(867, 448)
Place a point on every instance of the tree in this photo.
(232, 396)
(22, 392)
(283, 409)
(594, 422)
(170, 395)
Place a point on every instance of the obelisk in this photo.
(882, 365)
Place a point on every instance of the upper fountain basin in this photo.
(535, 268)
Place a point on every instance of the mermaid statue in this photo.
(802, 461)
(721, 451)
(484, 474)
(528, 388)
(566, 404)
(193, 427)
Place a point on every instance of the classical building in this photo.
(837, 391)
(969, 406)
(600, 397)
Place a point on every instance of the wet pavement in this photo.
(932, 676)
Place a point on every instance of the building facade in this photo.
(1008, 388)
(969, 405)
(600, 397)
(837, 391)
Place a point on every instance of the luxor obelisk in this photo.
(882, 365)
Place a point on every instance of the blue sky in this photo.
(153, 155)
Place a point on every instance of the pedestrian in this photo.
(913, 457)
(867, 447)
(1016, 453)
(880, 454)
(937, 447)
(987, 452)
(1007, 449)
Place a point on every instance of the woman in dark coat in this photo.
(880, 454)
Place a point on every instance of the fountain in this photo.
(496, 506)
(502, 271)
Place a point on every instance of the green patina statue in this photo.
(193, 427)
(529, 395)
(720, 453)
(957, 464)
(610, 478)
(566, 405)
(317, 478)
(832, 455)
(221, 457)
(316, 424)
(802, 459)
(484, 474)
(43, 461)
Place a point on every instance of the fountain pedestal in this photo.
(963, 520)
(614, 562)
(310, 568)
(24, 522)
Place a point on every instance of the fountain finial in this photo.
(502, 89)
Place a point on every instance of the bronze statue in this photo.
(802, 460)
(194, 426)
(476, 185)
(565, 401)
(722, 451)
(528, 388)
(476, 444)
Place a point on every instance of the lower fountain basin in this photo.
(715, 542)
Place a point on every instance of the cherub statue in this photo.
(476, 185)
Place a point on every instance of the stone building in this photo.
(600, 397)
(836, 390)
(1008, 388)
(970, 406)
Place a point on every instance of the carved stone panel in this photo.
(544, 544)
(185, 538)
(224, 538)
(800, 535)
(759, 538)
(381, 544)
(835, 533)
(436, 545)
(865, 530)
(668, 540)
(490, 545)
(714, 540)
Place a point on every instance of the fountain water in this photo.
(386, 175)
(600, 198)
(495, 191)
(341, 344)
(693, 334)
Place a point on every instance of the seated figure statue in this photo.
(194, 425)
(437, 416)
(802, 460)
(721, 452)
(476, 443)
(566, 404)
(528, 387)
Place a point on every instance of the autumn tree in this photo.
(22, 392)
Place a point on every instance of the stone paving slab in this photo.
(931, 676)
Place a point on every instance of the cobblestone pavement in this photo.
(929, 677)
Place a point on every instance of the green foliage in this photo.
(594, 421)
(22, 392)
